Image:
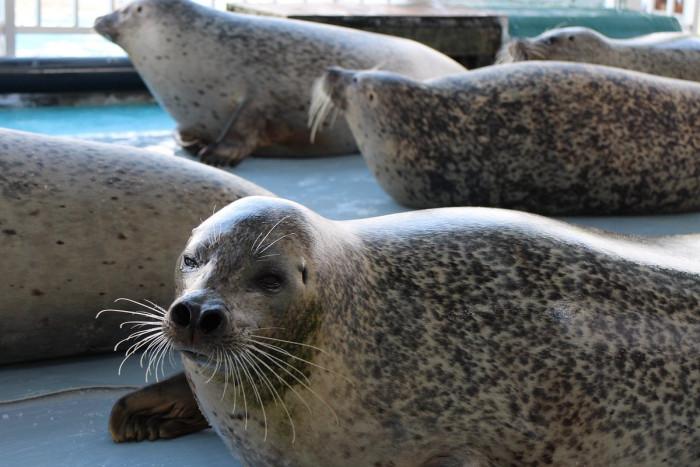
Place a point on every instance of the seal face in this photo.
(82, 224)
(238, 83)
(675, 55)
(449, 337)
(548, 137)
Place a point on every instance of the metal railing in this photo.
(35, 22)
(11, 27)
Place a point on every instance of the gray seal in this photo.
(671, 54)
(547, 137)
(82, 224)
(441, 338)
(241, 83)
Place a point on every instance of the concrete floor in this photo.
(70, 429)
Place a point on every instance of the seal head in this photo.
(118, 24)
(226, 293)
(574, 44)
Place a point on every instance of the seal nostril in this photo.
(180, 315)
(211, 320)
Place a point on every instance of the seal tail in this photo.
(321, 107)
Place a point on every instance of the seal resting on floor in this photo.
(241, 83)
(82, 224)
(671, 54)
(441, 338)
(549, 137)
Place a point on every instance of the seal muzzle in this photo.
(106, 26)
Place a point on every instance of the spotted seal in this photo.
(548, 137)
(442, 338)
(672, 54)
(241, 83)
(82, 224)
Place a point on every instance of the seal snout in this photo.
(106, 26)
(194, 318)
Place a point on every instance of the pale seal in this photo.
(548, 137)
(442, 338)
(82, 224)
(241, 83)
(672, 54)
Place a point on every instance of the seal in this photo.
(441, 338)
(82, 224)
(241, 83)
(671, 54)
(547, 137)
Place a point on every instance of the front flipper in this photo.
(159, 411)
(237, 140)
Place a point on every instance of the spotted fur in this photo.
(547, 137)
(675, 55)
(202, 64)
(470, 336)
(82, 224)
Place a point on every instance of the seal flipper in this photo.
(160, 411)
(237, 140)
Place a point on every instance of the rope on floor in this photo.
(62, 392)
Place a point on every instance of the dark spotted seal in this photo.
(676, 55)
(82, 224)
(441, 338)
(548, 137)
(240, 83)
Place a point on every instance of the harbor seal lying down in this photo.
(672, 54)
(83, 224)
(447, 337)
(240, 83)
(546, 137)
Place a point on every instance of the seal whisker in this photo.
(320, 107)
(308, 388)
(130, 312)
(135, 335)
(155, 308)
(257, 336)
(279, 360)
(290, 355)
(155, 351)
(272, 243)
(255, 252)
(255, 242)
(226, 372)
(260, 258)
(254, 387)
(166, 351)
(282, 380)
(141, 324)
(134, 348)
(273, 391)
(216, 367)
(240, 384)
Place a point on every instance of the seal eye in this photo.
(189, 262)
(371, 97)
(270, 282)
(139, 9)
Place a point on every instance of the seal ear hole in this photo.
(139, 9)
(354, 79)
(371, 96)
(571, 38)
